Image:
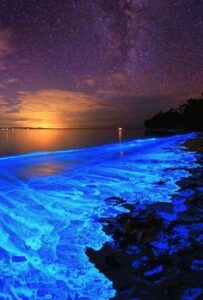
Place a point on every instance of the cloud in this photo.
(116, 77)
(5, 48)
(61, 108)
(89, 82)
(11, 80)
(131, 111)
(52, 108)
(6, 119)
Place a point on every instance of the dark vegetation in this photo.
(188, 116)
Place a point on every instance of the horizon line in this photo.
(63, 128)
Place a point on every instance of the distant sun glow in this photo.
(54, 109)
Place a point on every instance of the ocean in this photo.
(54, 204)
(19, 141)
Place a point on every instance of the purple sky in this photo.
(90, 63)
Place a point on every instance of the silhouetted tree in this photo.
(188, 116)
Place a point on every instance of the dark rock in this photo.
(115, 200)
(112, 262)
(161, 182)
(157, 249)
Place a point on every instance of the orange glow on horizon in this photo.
(51, 109)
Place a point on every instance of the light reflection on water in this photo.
(31, 140)
(46, 168)
(52, 203)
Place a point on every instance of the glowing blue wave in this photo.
(51, 204)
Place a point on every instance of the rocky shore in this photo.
(157, 249)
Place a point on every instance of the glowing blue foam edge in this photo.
(47, 220)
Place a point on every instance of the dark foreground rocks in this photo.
(157, 249)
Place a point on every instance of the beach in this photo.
(117, 221)
(158, 251)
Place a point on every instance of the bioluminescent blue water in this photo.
(51, 205)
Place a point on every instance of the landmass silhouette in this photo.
(188, 116)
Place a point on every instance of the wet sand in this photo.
(196, 144)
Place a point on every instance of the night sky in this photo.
(97, 63)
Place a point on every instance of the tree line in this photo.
(188, 116)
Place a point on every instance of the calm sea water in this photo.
(24, 140)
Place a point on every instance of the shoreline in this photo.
(156, 251)
(196, 144)
(69, 209)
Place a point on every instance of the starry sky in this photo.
(97, 63)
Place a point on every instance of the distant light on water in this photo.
(120, 134)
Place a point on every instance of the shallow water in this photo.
(52, 204)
